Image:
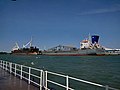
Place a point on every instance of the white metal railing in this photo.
(42, 78)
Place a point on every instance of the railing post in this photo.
(6, 65)
(3, 64)
(41, 71)
(10, 67)
(21, 72)
(29, 74)
(0, 63)
(67, 83)
(15, 69)
(45, 80)
(106, 87)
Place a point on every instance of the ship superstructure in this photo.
(91, 43)
(27, 49)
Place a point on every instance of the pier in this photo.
(15, 76)
(10, 82)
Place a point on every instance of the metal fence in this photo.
(47, 80)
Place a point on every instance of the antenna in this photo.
(89, 37)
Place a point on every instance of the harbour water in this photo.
(99, 69)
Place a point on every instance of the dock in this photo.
(10, 82)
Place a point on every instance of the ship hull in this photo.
(87, 52)
(26, 51)
(74, 54)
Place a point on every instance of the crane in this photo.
(16, 47)
(29, 43)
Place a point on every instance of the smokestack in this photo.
(95, 39)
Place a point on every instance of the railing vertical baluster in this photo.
(10, 67)
(21, 72)
(43, 79)
(15, 69)
(67, 83)
(29, 75)
(6, 65)
(46, 80)
(106, 87)
(3, 64)
(0, 63)
(41, 71)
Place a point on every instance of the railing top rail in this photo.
(23, 66)
(36, 69)
(88, 82)
(56, 74)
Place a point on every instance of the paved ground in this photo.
(10, 82)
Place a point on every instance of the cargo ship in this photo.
(27, 49)
(89, 46)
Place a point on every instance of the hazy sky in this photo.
(54, 22)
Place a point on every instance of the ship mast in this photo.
(89, 37)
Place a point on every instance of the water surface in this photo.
(100, 69)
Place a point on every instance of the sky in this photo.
(58, 22)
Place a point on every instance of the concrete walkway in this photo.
(10, 82)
